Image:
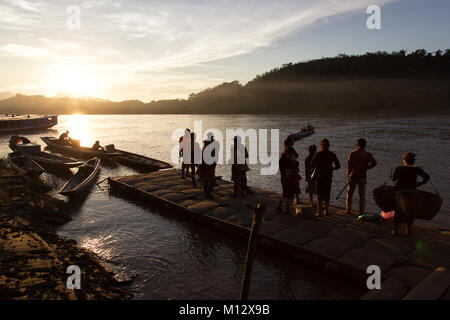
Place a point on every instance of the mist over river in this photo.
(170, 258)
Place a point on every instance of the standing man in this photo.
(324, 163)
(184, 144)
(359, 161)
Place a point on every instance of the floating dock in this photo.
(338, 243)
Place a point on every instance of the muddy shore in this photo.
(33, 257)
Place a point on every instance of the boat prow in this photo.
(83, 179)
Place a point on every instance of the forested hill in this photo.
(417, 64)
(380, 82)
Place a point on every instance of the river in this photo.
(170, 258)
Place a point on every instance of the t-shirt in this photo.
(358, 162)
(323, 163)
(406, 177)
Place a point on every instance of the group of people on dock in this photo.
(206, 168)
(319, 167)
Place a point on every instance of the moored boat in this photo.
(23, 164)
(138, 161)
(83, 179)
(21, 123)
(73, 149)
(45, 159)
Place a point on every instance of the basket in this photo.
(428, 205)
(384, 197)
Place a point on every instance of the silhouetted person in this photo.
(193, 157)
(359, 161)
(207, 169)
(64, 137)
(322, 165)
(290, 177)
(184, 142)
(96, 146)
(406, 195)
(239, 167)
(311, 188)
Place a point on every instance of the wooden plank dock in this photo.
(337, 243)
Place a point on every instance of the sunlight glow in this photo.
(78, 125)
(75, 81)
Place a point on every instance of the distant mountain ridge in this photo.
(6, 95)
(397, 82)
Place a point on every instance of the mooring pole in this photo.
(258, 213)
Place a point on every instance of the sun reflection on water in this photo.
(78, 125)
(99, 246)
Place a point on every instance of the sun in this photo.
(75, 81)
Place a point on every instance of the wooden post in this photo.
(258, 213)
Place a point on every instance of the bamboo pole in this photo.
(258, 213)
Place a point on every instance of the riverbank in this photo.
(33, 257)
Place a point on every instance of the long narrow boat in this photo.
(23, 164)
(302, 134)
(83, 179)
(138, 161)
(21, 123)
(83, 152)
(45, 159)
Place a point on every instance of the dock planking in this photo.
(338, 243)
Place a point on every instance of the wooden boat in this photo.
(302, 134)
(83, 152)
(23, 164)
(138, 161)
(83, 179)
(45, 159)
(20, 123)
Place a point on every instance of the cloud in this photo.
(128, 39)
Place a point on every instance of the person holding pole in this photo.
(359, 161)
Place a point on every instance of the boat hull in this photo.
(18, 125)
(83, 179)
(301, 135)
(24, 165)
(82, 152)
(140, 162)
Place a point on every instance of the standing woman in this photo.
(290, 177)
(406, 194)
(311, 187)
(322, 164)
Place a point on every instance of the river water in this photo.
(170, 258)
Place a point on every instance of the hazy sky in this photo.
(151, 50)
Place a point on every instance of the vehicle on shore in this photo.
(83, 179)
(20, 123)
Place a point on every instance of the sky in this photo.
(152, 50)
